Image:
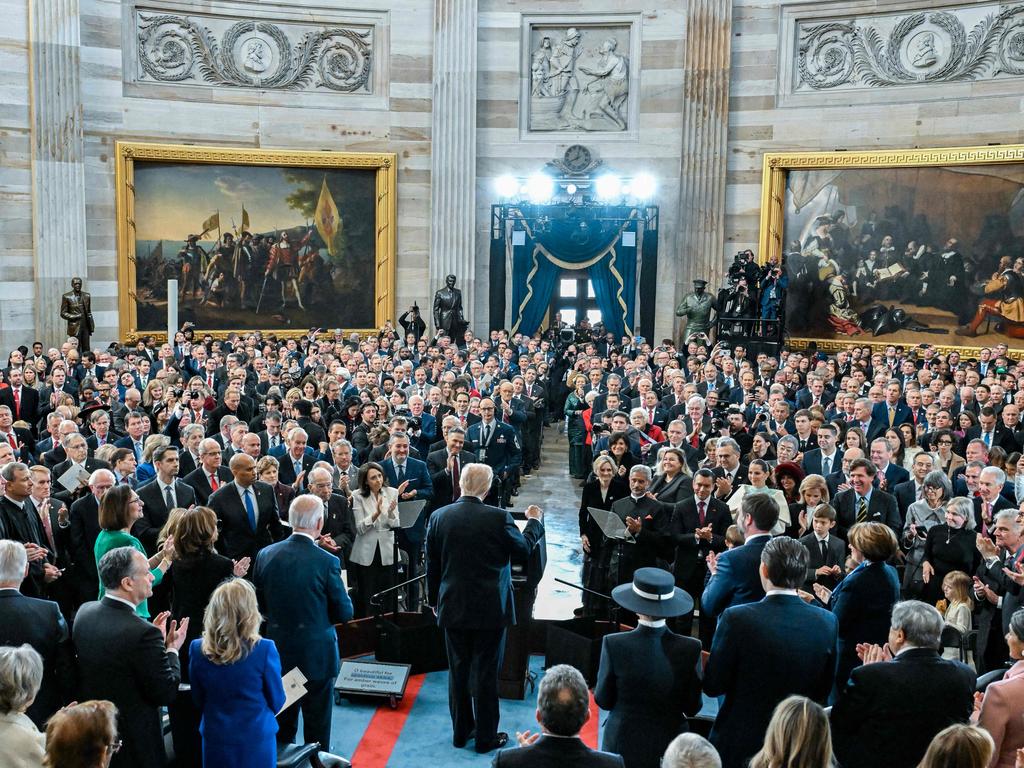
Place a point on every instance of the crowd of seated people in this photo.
(141, 481)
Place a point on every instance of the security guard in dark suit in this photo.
(498, 446)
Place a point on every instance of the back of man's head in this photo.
(306, 512)
(921, 623)
(13, 561)
(115, 566)
(785, 562)
(563, 703)
(761, 509)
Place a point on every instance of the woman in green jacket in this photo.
(120, 507)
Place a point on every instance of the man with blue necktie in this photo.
(399, 468)
(296, 462)
(135, 424)
(246, 511)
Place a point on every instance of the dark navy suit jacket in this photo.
(738, 580)
(301, 594)
(795, 655)
(418, 475)
(469, 550)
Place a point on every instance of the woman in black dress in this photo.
(672, 484)
(950, 546)
(198, 570)
(602, 489)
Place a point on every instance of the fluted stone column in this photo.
(58, 168)
(705, 123)
(453, 149)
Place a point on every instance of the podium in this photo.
(411, 638)
(515, 661)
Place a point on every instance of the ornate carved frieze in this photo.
(579, 77)
(263, 54)
(982, 42)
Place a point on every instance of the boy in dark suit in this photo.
(826, 554)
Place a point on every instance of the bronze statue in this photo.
(76, 308)
(448, 318)
(697, 307)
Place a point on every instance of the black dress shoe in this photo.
(500, 740)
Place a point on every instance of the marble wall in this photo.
(671, 92)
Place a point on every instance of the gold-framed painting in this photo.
(278, 241)
(898, 246)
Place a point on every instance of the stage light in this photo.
(571, 189)
(644, 186)
(539, 188)
(608, 187)
(506, 186)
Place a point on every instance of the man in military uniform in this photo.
(697, 307)
(76, 309)
(498, 446)
(284, 263)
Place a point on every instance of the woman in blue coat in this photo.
(236, 682)
(862, 602)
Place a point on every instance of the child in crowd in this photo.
(956, 608)
(733, 537)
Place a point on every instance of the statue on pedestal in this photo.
(76, 309)
(697, 307)
(448, 317)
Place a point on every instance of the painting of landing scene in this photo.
(255, 247)
(906, 254)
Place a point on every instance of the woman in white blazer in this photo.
(375, 509)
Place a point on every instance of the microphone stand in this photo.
(375, 599)
(613, 609)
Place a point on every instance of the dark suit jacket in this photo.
(286, 474)
(835, 555)
(738, 580)
(201, 483)
(1002, 437)
(418, 476)
(880, 412)
(675, 492)
(649, 680)
(437, 466)
(85, 527)
(195, 578)
(155, 511)
(40, 624)
(812, 461)
(122, 659)
(29, 410)
(556, 752)
(881, 509)
(796, 656)
(894, 475)
(301, 594)
(340, 524)
(237, 537)
(688, 553)
(891, 710)
(91, 465)
(469, 549)
(24, 525)
(998, 506)
(740, 479)
(26, 444)
(906, 494)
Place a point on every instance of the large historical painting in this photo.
(892, 248)
(265, 245)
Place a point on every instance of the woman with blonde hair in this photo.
(813, 491)
(146, 471)
(798, 736)
(236, 681)
(82, 736)
(959, 746)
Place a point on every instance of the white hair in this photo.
(13, 561)
(691, 750)
(476, 479)
(306, 512)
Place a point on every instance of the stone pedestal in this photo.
(453, 150)
(58, 168)
(705, 122)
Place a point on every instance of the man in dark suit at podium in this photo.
(469, 584)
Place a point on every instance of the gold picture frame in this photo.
(130, 157)
(776, 170)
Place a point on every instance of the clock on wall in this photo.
(577, 158)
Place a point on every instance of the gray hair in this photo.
(115, 566)
(997, 475)
(638, 412)
(965, 508)
(100, 474)
(696, 399)
(563, 700)
(921, 623)
(642, 469)
(306, 511)
(938, 479)
(191, 429)
(21, 674)
(728, 442)
(691, 750)
(789, 440)
(1008, 516)
(13, 561)
(476, 479)
(396, 436)
(8, 470)
(339, 444)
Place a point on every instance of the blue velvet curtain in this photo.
(576, 242)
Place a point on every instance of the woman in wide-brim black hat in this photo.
(649, 679)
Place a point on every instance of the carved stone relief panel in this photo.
(915, 47)
(580, 75)
(228, 47)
